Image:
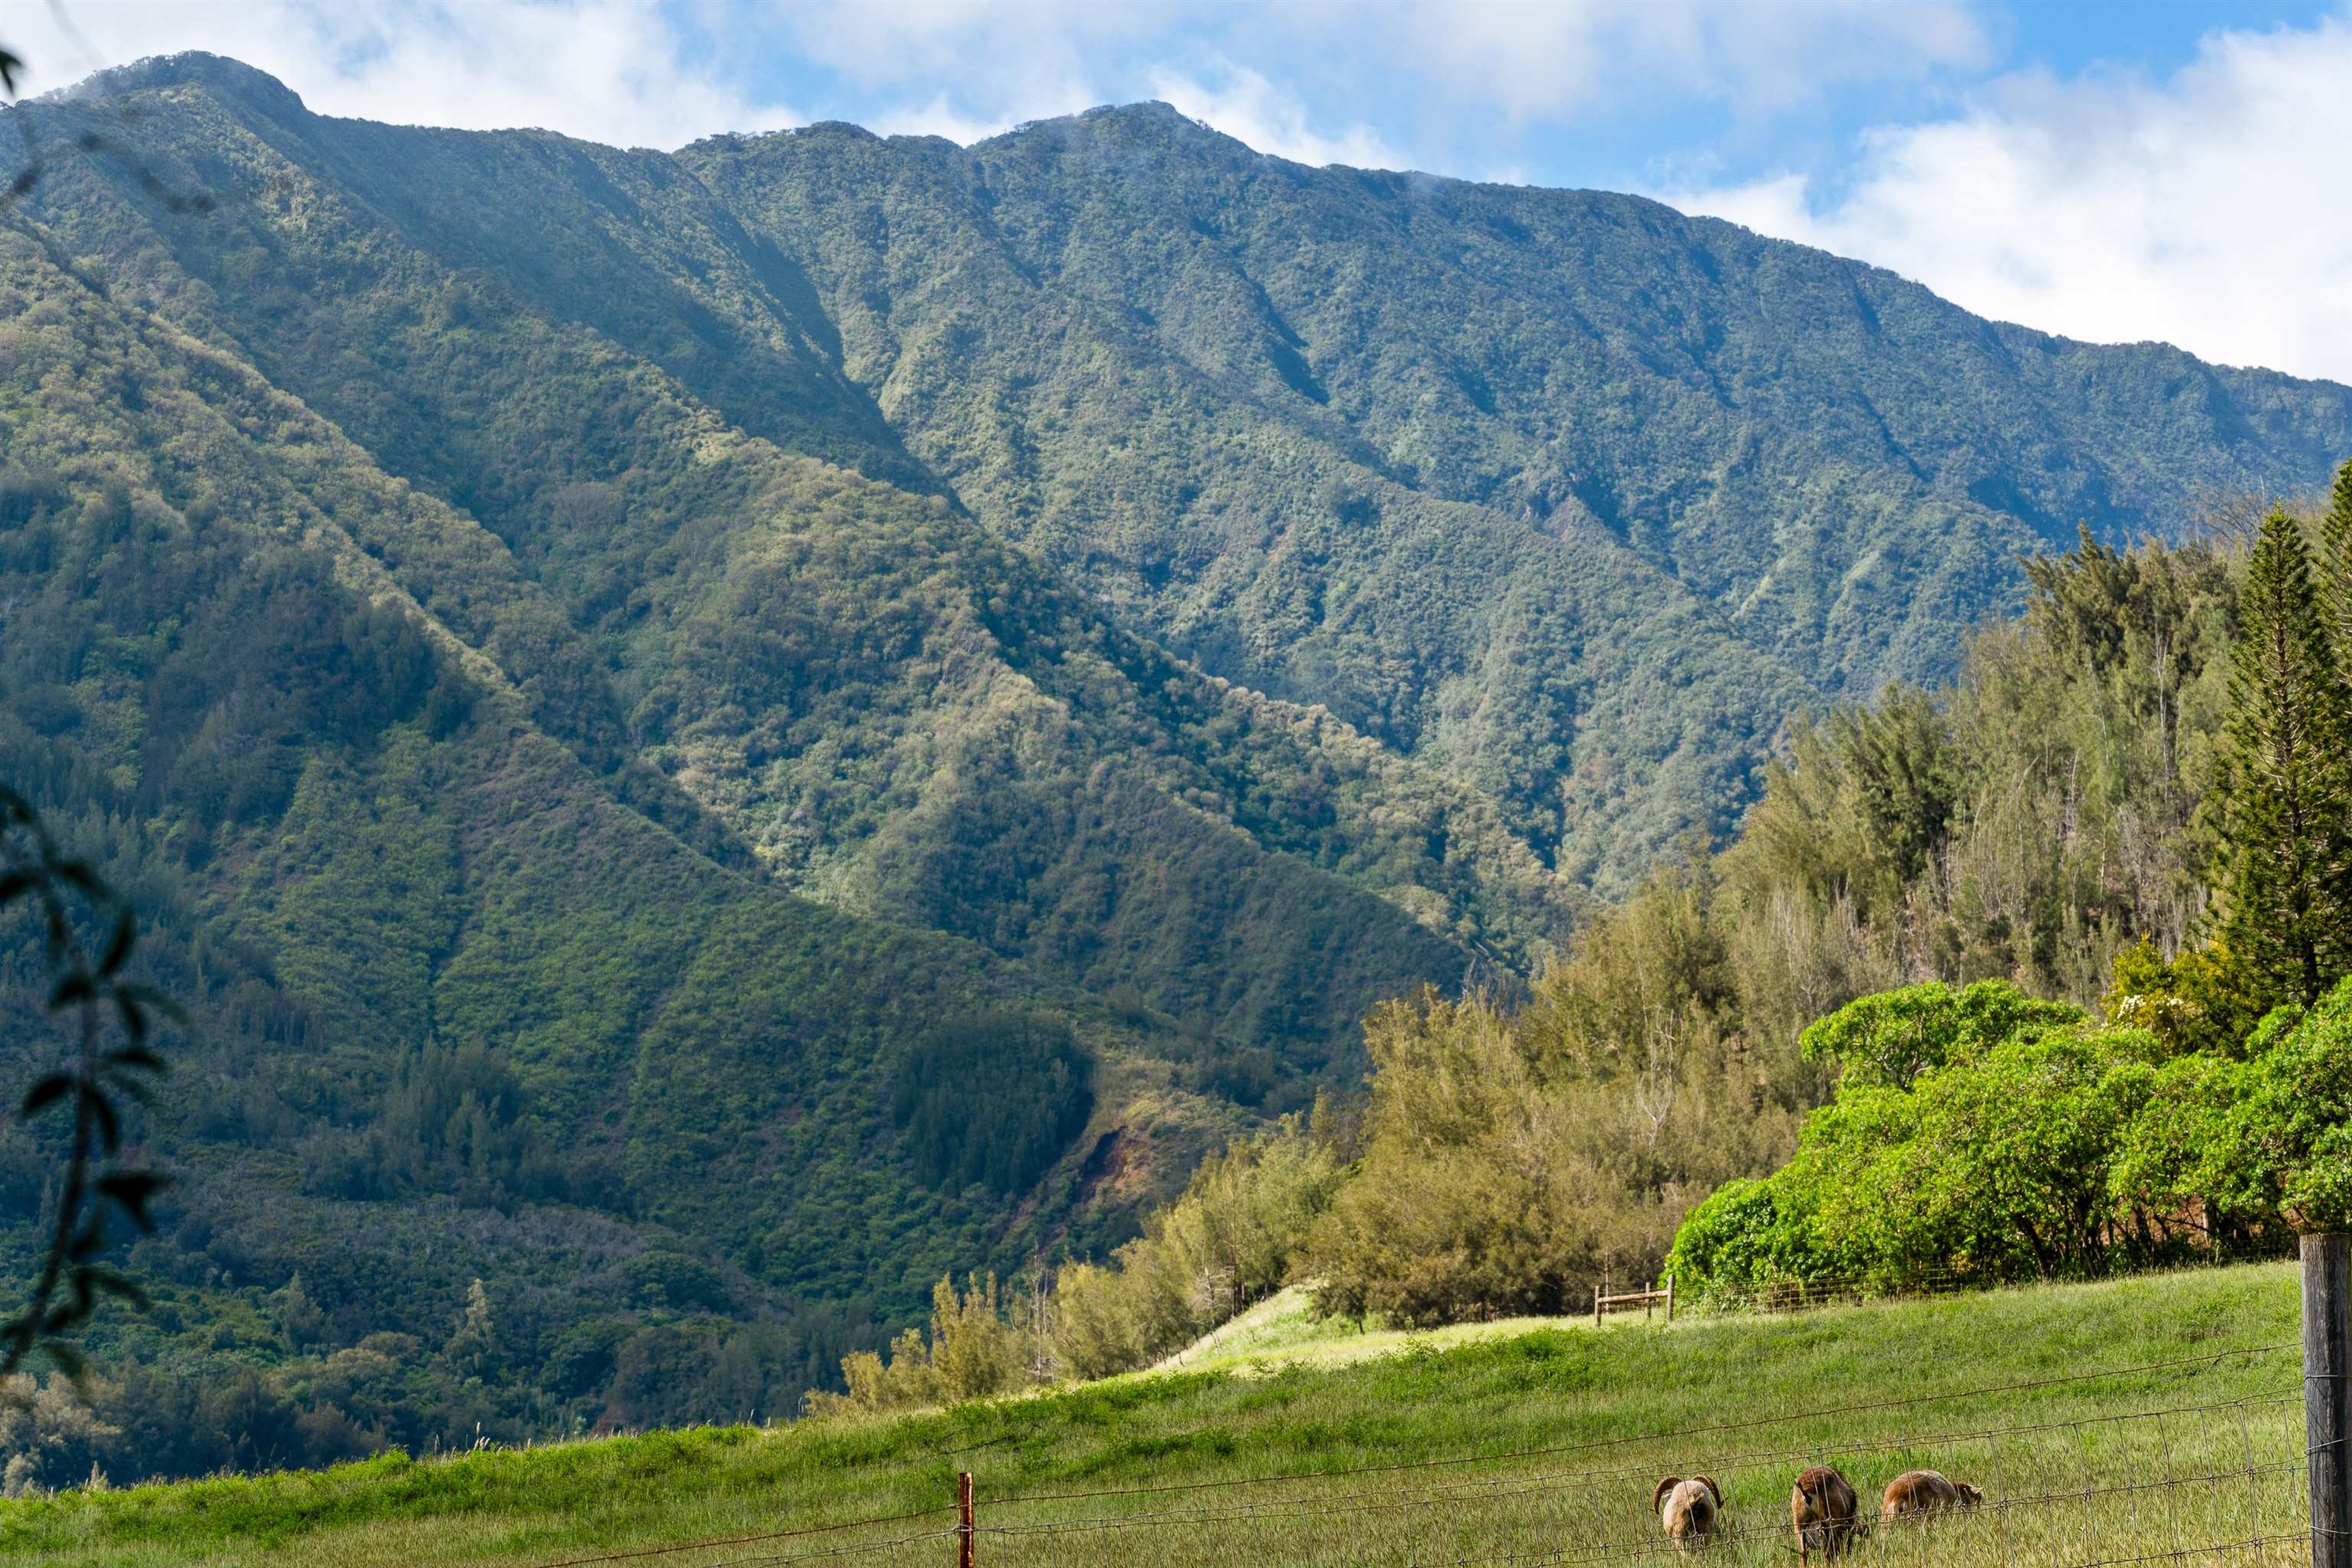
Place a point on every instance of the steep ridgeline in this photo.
(1561, 490)
(576, 815)
(606, 664)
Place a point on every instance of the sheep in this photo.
(1689, 1509)
(1822, 1510)
(1925, 1492)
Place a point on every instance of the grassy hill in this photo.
(2051, 1441)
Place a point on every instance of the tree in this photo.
(2336, 566)
(2283, 794)
(1894, 1036)
(476, 1342)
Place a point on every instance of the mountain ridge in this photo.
(608, 657)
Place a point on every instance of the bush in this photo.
(1233, 1236)
(972, 1353)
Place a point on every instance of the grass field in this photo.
(1544, 1442)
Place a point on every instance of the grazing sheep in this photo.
(1690, 1510)
(1925, 1492)
(1823, 1511)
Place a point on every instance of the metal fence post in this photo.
(963, 1518)
(2326, 1296)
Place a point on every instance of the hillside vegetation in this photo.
(711, 737)
(2132, 802)
(1739, 1388)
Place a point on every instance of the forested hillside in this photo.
(709, 736)
(2038, 974)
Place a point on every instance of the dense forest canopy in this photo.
(709, 737)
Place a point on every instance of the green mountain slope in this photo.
(478, 751)
(897, 712)
(609, 666)
(1485, 468)
(447, 976)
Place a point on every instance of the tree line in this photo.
(2032, 975)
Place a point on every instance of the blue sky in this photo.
(2167, 169)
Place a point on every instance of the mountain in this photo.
(713, 734)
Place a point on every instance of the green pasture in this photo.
(1542, 1445)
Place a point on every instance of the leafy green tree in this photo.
(2180, 1163)
(1894, 1037)
(2202, 1000)
(2293, 1146)
(2283, 794)
(1745, 1235)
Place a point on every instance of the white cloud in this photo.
(2204, 209)
(609, 70)
(940, 116)
(974, 67)
(1247, 107)
(1554, 59)
(1008, 61)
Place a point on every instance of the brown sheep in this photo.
(1690, 1510)
(1925, 1492)
(1823, 1511)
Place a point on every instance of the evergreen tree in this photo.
(2284, 785)
(2336, 568)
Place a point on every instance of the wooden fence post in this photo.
(963, 1518)
(1670, 1297)
(1596, 1306)
(2327, 1365)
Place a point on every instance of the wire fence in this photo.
(1794, 1294)
(2195, 1477)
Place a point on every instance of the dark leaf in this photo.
(118, 1285)
(76, 986)
(110, 1128)
(119, 946)
(133, 1189)
(89, 1240)
(137, 1057)
(45, 1092)
(68, 1359)
(155, 1001)
(133, 1089)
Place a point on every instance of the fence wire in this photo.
(2212, 1479)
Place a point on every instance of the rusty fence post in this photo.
(2327, 1294)
(963, 1520)
(1670, 1297)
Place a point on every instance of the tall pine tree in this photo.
(2284, 785)
(2335, 570)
